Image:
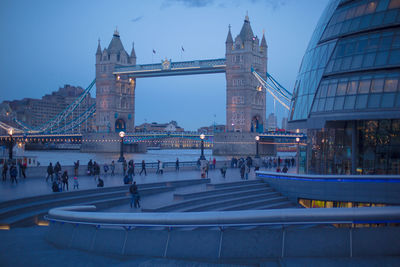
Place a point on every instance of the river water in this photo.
(68, 157)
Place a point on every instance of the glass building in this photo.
(347, 93)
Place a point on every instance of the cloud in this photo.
(188, 3)
(274, 4)
(136, 19)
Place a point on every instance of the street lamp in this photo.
(121, 152)
(298, 155)
(257, 141)
(11, 144)
(202, 136)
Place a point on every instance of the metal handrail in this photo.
(86, 215)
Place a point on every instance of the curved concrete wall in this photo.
(384, 189)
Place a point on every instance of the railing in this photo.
(86, 215)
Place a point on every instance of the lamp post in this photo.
(298, 155)
(11, 144)
(257, 141)
(202, 136)
(121, 152)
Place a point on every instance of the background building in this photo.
(36, 112)
(272, 122)
(172, 126)
(347, 91)
(218, 128)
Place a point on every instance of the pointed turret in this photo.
(229, 38)
(132, 58)
(98, 52)
(263, 42)
(115, 45)
(246, 34)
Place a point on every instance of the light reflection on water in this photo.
(68, 157)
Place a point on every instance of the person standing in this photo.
(133, 189)
(24, 166)
(223, 170)
(57, 170)
(247, 171)
(90, 167)
(64, 179)
(105, 167)
(177, 164)
(143, 168)
(76, 183)
(160, 167)
(124, 167)
(4, 171)
(13, 174)
(112, 168)
(76, 167)
(214, 162)
(242, 170)
(50, 172)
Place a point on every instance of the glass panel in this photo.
(362, 45)
(391, 85)
(386, 43)
(377, 19)
(388, 100)
(390, 17)
(336, 67)
(332, 89)
(382, 5)
(364, 86)
(398, 100)
(352, 88)
(377, 85)
(346, 63)
(329, 104)
(357, 61)
(374, 100)
(339, 102)
(373, 42)
(394, 57)
(369, 60)
(381, 58)
(396, 42)
(321, 104)
(341, 90)
(349, 102)
(323, 90)
(361, 101)
(365, 21)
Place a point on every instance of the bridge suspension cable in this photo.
(275, 89)
(63, 115)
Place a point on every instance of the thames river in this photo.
(68, 157)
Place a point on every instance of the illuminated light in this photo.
(42, 223)
(257, 138)
(297, 130)
(297, 139)
(10, 132)
(121, 134)
(4, 227)
(118, 77)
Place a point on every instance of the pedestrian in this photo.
(278, 169)
(143, 168)
(24, 166)
(177, 164)
(64, 179)
(133, 189)
(214, 163)
(50, 172)
(13, 174)
(126, 179)
(4, 171)
(242, 170)
(76, 182)
(124, 166)
(57, 170)
(131, 170)
(105, 167)
(112, 168)
(76, 167)
(96, 170)
(206, 168)
(19, 168)
(90, 168)
(54, 187)
(247, 171)
(160, 167)
(100, 183)
(285, 169)
(223, 170)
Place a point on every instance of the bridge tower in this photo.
(245, 98)
(115, 96)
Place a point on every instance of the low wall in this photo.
(171, 235)
(384, 189)
(108, 143)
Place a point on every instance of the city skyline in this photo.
(55, 49)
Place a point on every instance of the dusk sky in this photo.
(46, 44)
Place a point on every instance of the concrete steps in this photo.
(23, 212)
(253, 194)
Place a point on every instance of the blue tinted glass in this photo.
(329, 104)
(354, 24)
(390, 17)
(349, 102)
(346, 63)
(386, 42)
(321, 104)
(365, 21)
(374, 101)
(382, 5)
(369, 60)
(398, 100)
(381, 58)
(377, 19)
(388, 100)
(339, 102)
(357, 61)
(361, 101)
(394, 57)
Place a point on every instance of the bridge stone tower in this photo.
(245, 98)
(115, 96)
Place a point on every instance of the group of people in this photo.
(14, 169)
(61, 180)
(278, 163)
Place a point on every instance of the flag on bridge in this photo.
(154, 51)
(183, 50)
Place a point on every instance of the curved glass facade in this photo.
(348, 88)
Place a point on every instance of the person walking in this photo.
(247, 171)
(57, 170)
(112, 168)
(90, 167)
(177, 164)
(64, 179)
(76, 182)
(124, 167)
(13, 174)
(50, 172)
(242, 170)
(223, 170)
(160, 167)
(214, 163)
(133, 189)
(105, 167)
(143, 168)
(4, 171)
(24, 166)
(76, 167)
(131, 170)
